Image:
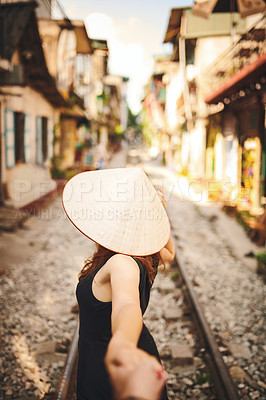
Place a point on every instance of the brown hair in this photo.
(102, 254)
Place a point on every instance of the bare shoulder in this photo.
(122, 264)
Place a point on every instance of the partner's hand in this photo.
(133, 372)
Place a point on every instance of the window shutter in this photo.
(27, 138)
(50, 138)
(39, 153)
(10, 138)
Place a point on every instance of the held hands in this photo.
(133, 372)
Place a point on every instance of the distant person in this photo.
(120, 210)
(100, 156)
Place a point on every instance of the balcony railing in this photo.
(248, 48)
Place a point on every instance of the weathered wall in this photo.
(27, 181)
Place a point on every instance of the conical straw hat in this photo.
(118, 209)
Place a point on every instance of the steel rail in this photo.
(65, 379)
(226, 388)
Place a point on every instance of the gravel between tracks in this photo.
(232, 296)
(36, 300)
(37, 297)
(186, 380)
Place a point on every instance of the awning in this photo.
(83, 41)
(218, 24)
(74, 112)
(244, 77)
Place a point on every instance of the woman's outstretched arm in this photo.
(122, 352)
(126, 313)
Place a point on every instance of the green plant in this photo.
(241, 216)
(261, 257)
(57, 173)
(175, 276)
(70, 173)
(203, 378)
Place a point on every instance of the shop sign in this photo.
(249, 145)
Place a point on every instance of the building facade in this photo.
(29, 102)
(240, 94)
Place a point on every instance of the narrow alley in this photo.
(176, 89)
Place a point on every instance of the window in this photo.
(27, 138)
(39, 155)
(10, 138)
(44, 138)
(50, 133)
(19, 137)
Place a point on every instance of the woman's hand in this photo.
(167, 254)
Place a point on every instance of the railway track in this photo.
(66, 389)
(224, 384)
(225, 387)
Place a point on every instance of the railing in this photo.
(248, 48)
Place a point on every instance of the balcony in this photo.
(246, 51)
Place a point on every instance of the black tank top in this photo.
(95, 333)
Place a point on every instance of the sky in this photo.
(134, 30)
